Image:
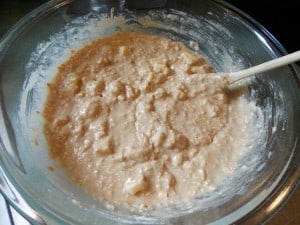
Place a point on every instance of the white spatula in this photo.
(269, 65)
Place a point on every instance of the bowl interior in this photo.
(229, 40)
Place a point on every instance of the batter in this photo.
(137, 120)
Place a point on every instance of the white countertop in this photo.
(9, 216)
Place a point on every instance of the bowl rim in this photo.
(290, 180)
(286, 186)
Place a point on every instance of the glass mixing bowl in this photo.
(228, 38)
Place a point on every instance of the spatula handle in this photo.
(275, 63)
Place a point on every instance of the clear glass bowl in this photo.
(230, 40)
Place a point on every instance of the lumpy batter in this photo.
(137, 120)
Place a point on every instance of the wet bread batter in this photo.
(137, 120)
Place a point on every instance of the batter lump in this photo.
(138, 120)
